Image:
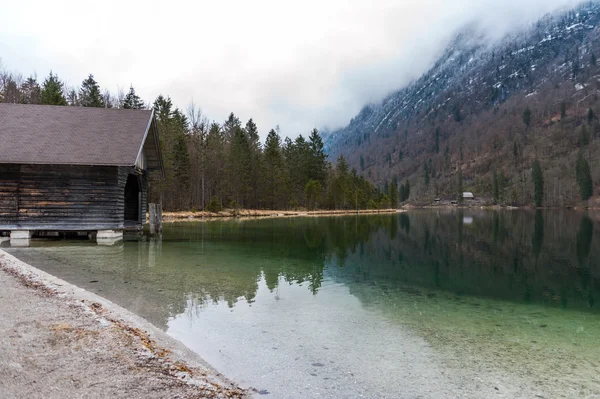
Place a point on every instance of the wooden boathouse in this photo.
(75, 169)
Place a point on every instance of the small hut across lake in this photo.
(75, 169)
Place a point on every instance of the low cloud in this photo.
(296, 64)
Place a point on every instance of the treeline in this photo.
(211, 165)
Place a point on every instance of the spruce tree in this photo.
(318, 163)
(584, 178)
(394, 194)
(437, 140)
(132, 100)
(254, 146)
(240, 178)
(162, 107)
(584, 137)
(496, 187)
(90, 94)
(459, 186)
(181, 161)
(426, 173)
(527, 117)
(538, 183)
(342, 190)
(312, 191)
(274, 183)
(52, 91)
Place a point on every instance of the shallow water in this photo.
(421, 304)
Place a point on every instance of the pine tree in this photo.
(132, 100)
(394, 194)
(584, 178)
(240, 179)
(584, 137)
(456, 113)
(590, 116)
(447, 155)
(312, 191)
(459, 186)
(215, 167)
(274, 182)
(251, 131)
(593, 60)
(52, 91)
(162, 107)
(318, 163)
(231, 127)
(342, 183)
(563, 110)
(527, 117)
(437, 140)
(404, 191)
(181, 161)
(538, 183)
(496, 187)
(90, 94)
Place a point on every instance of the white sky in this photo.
(296, 64)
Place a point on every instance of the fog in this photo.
(293, 64)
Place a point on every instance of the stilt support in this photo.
(20, 238)
(155, 219)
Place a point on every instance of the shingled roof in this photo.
(46, 134)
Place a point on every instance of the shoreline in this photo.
(180, 216)
(260, 214)
(167, 362)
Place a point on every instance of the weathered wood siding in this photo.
(62, 197)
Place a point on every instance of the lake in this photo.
(428, 304)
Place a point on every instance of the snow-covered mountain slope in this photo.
(541, 67)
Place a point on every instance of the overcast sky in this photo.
(298, 64)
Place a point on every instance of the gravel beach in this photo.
(59, 341)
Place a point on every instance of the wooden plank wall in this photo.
(61, 197)
(9, 190)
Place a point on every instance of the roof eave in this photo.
(152, 127)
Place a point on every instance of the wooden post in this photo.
(155, 219)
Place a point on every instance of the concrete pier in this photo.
(21, 234)
(20, 238)
(108, 237)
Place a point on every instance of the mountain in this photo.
(486, 112)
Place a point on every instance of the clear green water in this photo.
(422, 304)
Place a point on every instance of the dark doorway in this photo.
(132, 199)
